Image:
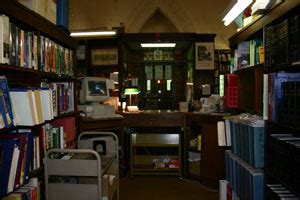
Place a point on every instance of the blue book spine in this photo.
(239, 139)
(29, 153)
(251, 146)
(7, 106)
(227, 166)
(232, 128)
(62, 14)
(7, 154)
(258, 186)
(259, 140)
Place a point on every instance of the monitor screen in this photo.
(94, 90)
(97, 88)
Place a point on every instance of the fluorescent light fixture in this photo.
(93, 33)
(152, 45)
(236, 10)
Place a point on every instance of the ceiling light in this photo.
(236, 10)
(151, 45)
(93, 33)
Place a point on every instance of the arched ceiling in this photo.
(202, 16)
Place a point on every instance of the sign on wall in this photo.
(205, 55)
(104, 56)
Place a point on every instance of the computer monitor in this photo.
(94, 90)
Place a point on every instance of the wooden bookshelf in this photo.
(25, 77)
(262, 21)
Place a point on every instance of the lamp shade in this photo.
(129, 91)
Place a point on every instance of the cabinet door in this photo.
(212, 163)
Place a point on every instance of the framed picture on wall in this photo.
(104, 56)
(205, 55)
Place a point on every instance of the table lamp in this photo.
(130, 92)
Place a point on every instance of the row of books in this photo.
(247, 138)
(28, 107)
(295, 39)
(283, 94)
(30, 191)
(278, 192)
(284, 159)
(19, 155)
(249, 53)
(55, 58)
(277, 44)
(24, 48)
(246, 181)
(59, 134)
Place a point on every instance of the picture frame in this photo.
(204, 55)
(104, 56)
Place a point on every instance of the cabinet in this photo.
(280, 30)
(154, 134)
(210, 168)
(30, 69)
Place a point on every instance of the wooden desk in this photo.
(114, 125)
(154, 129)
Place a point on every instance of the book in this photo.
(18, 46)
(22, 48)
(7, 152)
(21, 165)
(12, 44)
(22, 107)
(223, 189)
(62, 14)
(14, 167)
(34, 51)
(5, 104)
(243, 59)
(39, 106)
(4, 39)
(46, 99)
(69, 132)
(221, 134)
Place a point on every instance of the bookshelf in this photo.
(222, 66)
(280, 71)
(44, 70)
(282, 129)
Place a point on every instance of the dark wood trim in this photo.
(262, 21)
(49, 75)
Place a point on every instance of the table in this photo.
(157, 129)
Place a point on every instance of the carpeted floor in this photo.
(163, 188)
